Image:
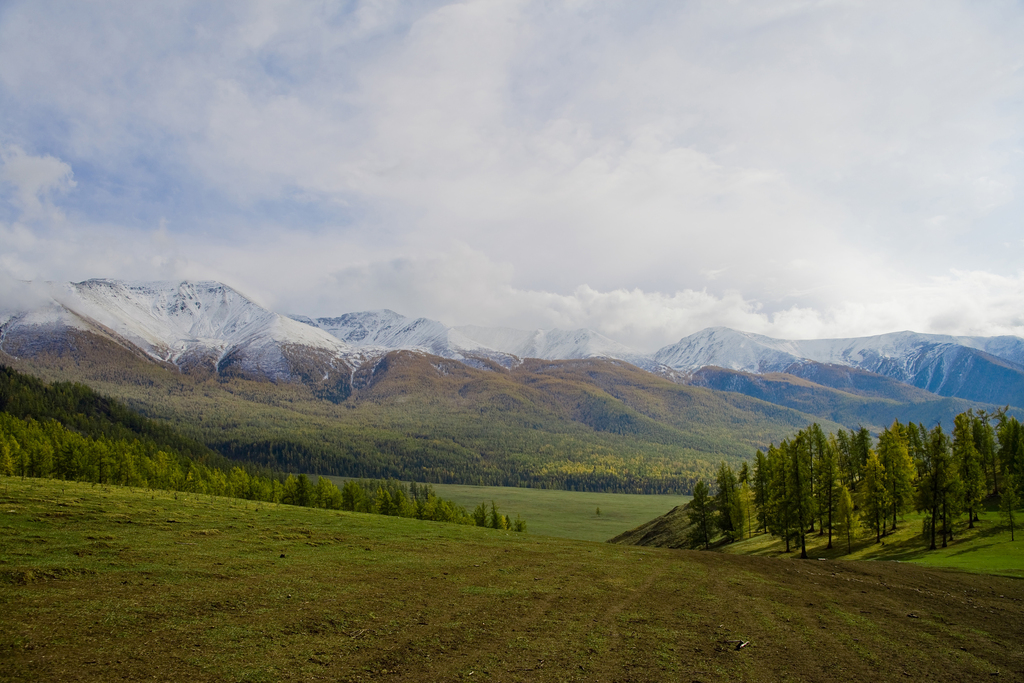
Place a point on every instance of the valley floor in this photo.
(582, 515)
(101, 583)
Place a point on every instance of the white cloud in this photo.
(35, 180)
(797, 169)
(17, 295)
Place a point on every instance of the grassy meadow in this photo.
(986, 548)
(102, 583)
(566, 514)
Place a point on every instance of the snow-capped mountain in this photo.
(387, 330)
(554, 344)
(209, 327)
(985, 369)
(186, 324)
(898, 352)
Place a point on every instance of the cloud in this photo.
(18, 295)
(798, 169)
(463, 286)
(34, 181)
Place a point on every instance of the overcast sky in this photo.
(647, 169)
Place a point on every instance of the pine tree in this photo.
(480, 514)
(968, 462)
(1011, 445)
(6, 461)
(699, 515)
(936, 483)
(746, 500)
(352, 496)
(780, 501)
(847, 523)
(846, 468)
(875, 497)
(800, 489)
(496, 520)
(894, 455)
(917, 440)
(1009, 502)
(761, 482)
(383, 503)
(827, 486)
(860, 444)
(985, 444)
(729, 513)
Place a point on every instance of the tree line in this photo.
(81, 436)
(848, 483)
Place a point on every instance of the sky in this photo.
(801, 169)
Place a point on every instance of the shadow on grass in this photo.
(978, 532)
(972, 549)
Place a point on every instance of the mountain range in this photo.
(210, 327)
(380, 394)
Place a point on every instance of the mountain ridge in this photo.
(209, 327)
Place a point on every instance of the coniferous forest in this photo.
(67, 431)
(848, 484)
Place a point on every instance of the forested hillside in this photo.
(845, 395)
(588, 425)
(847, 485)
(67, 431)
(595, 425)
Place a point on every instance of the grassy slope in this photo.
(987, 548)
(102, 584)
(566, 514)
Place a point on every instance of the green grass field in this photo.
(104, 583)
(566, 514)
(986, 548)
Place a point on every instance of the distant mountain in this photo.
(415, 397)
(204, 327)
(385, 330)
(984, 369)
(207, 327)
(864, 399)
(555, 344)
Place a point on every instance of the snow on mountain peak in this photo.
(168, 320)
(172, 321)
(386, 329)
